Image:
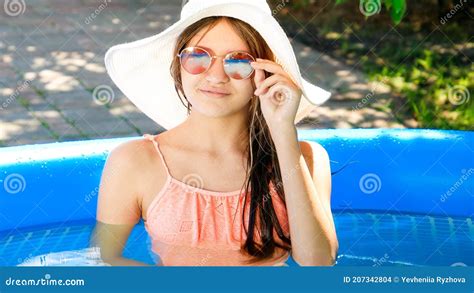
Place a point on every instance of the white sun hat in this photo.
(141, 69)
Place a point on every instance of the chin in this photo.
(217, 107)
(211, 113)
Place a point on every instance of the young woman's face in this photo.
(219, 40)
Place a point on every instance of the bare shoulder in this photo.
(314, 153)
(124, 180)
(136, 162)
(132, 154)
(133, 164)
(317, 160)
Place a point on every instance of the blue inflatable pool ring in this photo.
(399, 197)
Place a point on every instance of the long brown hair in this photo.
(262, 161)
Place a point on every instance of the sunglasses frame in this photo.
(214, 57)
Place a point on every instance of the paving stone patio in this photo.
(51, 60)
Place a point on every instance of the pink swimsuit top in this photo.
(190, 226)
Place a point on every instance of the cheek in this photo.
(244, 89)
(190, 83)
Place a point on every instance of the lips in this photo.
(214, 92)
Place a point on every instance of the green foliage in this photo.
(434, 80)
(396, 8)
(427, 66)
(297, 4)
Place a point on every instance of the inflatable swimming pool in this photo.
(400, 197)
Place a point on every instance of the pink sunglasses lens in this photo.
(195, 60)
(237, 66)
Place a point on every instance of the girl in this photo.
(228, 183)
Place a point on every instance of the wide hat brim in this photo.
(141, 69)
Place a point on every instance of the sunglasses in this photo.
(196, 60)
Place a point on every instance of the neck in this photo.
(217, 135)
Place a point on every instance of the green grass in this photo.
(432, 76)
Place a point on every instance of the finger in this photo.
(264, 60)
(270, 67)
(279, 93)
(267, 61)
(282, 71)
(268, 82)
(259, 77)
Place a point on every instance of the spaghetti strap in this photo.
(157, 148)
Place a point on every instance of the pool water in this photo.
(365, 239)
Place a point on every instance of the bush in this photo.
(426, 58)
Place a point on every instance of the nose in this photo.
(216, 73)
